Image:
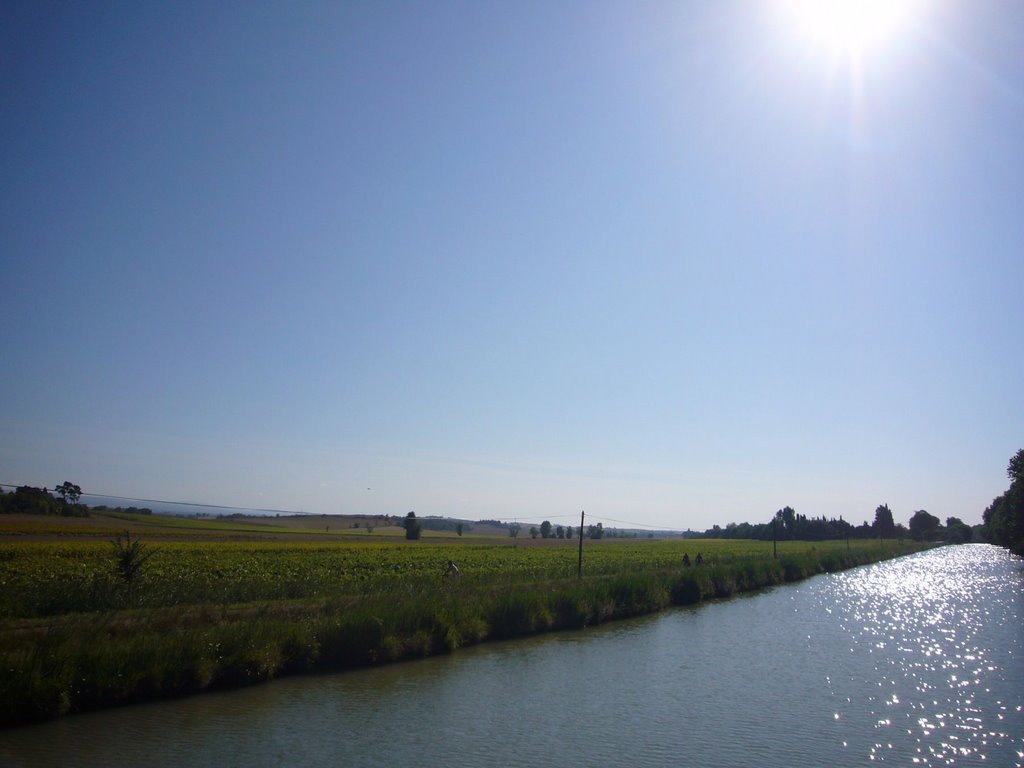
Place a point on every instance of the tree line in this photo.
(548, 531)
(787, 525)
(27, 500)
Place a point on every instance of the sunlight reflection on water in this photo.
(941, 682)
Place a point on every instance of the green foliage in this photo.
(786, 521)
(1004, 518)
(884, 525)
(413, 528)
(27, 500)
(130, 557)
(49, 578)
(923, 526)
(1015, 469)
(957, 531)
(68, 492)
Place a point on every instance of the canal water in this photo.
(915, 661)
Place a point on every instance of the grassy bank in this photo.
(78, 640)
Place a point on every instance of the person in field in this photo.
(686, 559)
(452, 569)
(700, 559)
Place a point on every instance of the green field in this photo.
(223, 603)
(50, 578)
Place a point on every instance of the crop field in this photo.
(207, 604)
(48, 578)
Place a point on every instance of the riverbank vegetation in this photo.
(86, 622)
(1004, 517)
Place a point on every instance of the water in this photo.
(918, 661)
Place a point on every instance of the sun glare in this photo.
(850, 26)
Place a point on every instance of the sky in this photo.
(675, 264)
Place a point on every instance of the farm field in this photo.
(230, 602)
(49, 578)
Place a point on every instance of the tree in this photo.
(788, 517)
(68, 492)
(559, 532)
(1004, 518)
(595, 531)
(458, 529)
(413, 528)
(545, 530)
(1015, 469)
(27, 500)
(924, 526)
(513, 530)
(957, 531)
(130, 557)
(534, 533)
(884, 524)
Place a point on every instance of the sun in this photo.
(850, 27)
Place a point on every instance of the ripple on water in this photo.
(936, 628)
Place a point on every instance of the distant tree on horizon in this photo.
(884, 525)
(788, 516)
(68, 492)
(413, 528)
(924, 526)
(957, 531)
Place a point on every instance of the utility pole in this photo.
(579, 571)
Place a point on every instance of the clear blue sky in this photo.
(672, 263)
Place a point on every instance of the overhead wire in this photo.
(531, 520)
(178, 503)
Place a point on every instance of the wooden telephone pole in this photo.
(579, 571)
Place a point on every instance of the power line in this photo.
(532, 520)
(628, 522)
(593, 518)
(529, 519)
(177, 503)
